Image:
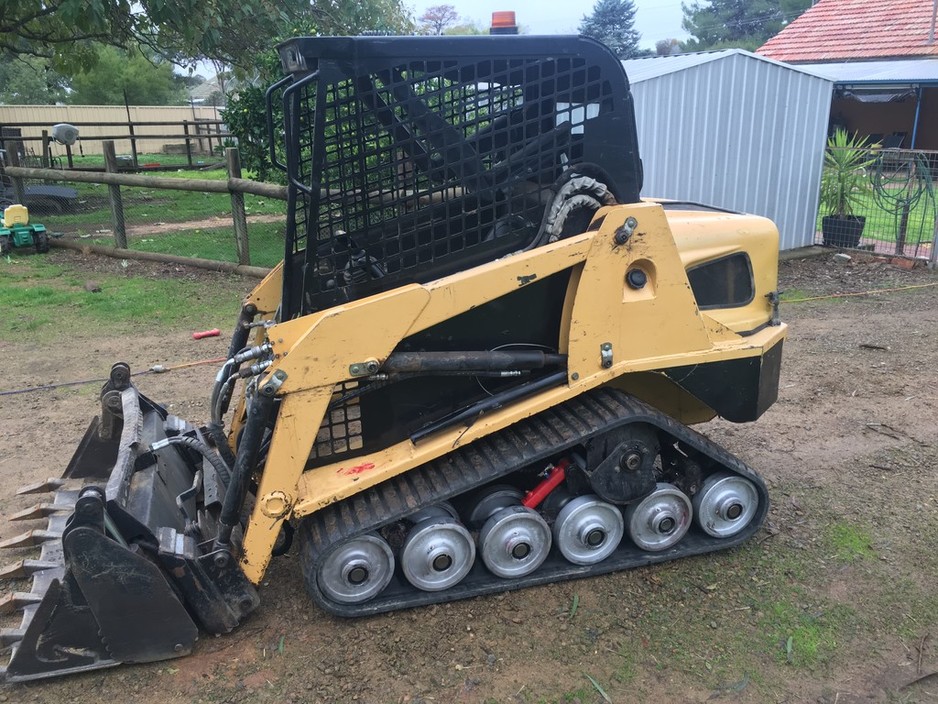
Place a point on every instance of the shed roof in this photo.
(643, 69)
(900, 72)
(838, 30)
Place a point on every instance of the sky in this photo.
(655, 19)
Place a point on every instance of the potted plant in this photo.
(844, 182)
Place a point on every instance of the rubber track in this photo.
(527, 442)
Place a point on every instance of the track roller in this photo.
(357, 570)
(514, 542)
(437, 554)
(725, 504)
(661, 519)
(588, 530)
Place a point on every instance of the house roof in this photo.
(840, 30)
(643, 69)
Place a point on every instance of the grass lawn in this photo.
(97, 160)
(265, 242)
(50, 301)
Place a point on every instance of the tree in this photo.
(613, 23)
(29, 81)
(746, 24)
(666, 47)
(63, 30)
(437, 18)
(145, 80)
(466, 28)
(245, 113)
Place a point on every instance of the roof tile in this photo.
(838, 30)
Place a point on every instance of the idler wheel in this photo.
(725, 504)
(356, 570)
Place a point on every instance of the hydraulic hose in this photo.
(248, 450)
(221, 469)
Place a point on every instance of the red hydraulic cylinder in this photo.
(557, 474)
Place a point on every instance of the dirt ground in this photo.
(833, 601)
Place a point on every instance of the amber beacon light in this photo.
(503, 23)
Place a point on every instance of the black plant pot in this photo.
(842, 231)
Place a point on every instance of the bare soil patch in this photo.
(833, 601)
(160, 228)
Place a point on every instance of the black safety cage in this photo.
(410, 158)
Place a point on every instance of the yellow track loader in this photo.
(473, 371)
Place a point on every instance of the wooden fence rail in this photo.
(201, 185)
(233, 185)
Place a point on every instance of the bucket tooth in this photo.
(17, 600)
(41, 510)
(21, 569)
(30, 538)
(50, 484)
(10, 636)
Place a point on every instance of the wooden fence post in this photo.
(114, 191)
(19, 191)
(185, 128)
(133, 143)
(46, 161)
(238, 216)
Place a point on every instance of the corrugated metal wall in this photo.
(737, 132)
(53, 114)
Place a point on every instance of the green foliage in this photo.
(29, 81)
(613, 23)
(844, 181)
(145, 80)
(245, 113)
(63, 30)
(744, 24)
(466, 28)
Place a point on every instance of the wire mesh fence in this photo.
(882, 201)
(183, 223)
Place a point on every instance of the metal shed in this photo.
(735, 130)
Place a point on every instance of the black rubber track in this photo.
(528, 442)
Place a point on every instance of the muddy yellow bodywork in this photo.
(647, 329)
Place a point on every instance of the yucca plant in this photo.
(844, 180)
(844, 183)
